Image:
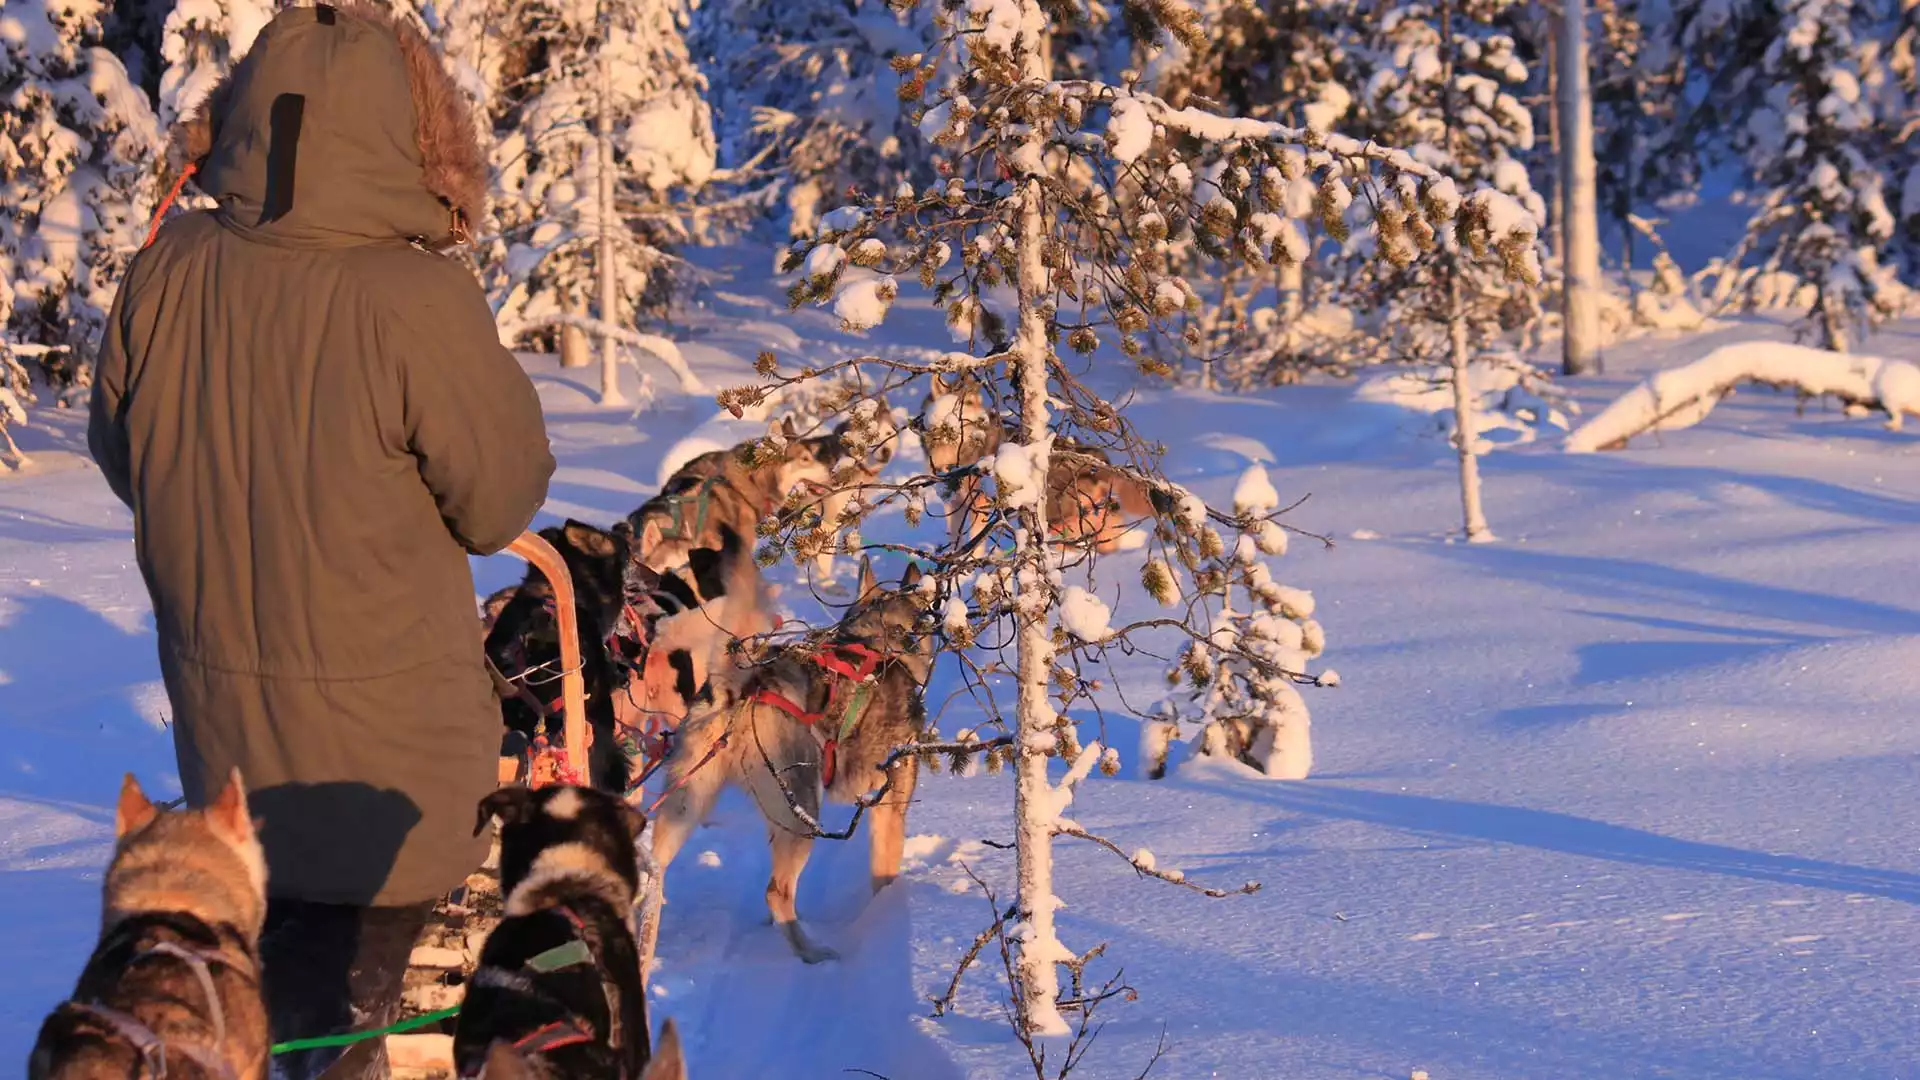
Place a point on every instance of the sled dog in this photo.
(722, 489)
(1090, 503)
(557, 992)
(849, 473)
(647, 639)
(173, 987)
(809, 721)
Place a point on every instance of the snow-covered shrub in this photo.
(1238, 684)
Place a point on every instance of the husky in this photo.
(557, 991)
(1090, 503)
(648, 640)
(173, 987)
(809, 721)
(849, 472)
(731, 489)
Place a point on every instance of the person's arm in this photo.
(106, 431)
(472, 418)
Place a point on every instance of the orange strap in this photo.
(166, 204)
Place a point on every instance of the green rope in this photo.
(352, 1037)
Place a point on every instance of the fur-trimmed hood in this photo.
(339, 125)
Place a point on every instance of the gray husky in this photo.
(811, 720)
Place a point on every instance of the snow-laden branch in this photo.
(1212, 127)
(663, 350)
(1683, 396)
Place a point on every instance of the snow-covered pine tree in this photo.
(1069, 190)
(1638, 70)
(561, 69)
(1817, 147)
(79, 154)
(1284, 60)
(202, 41)
(805, 102)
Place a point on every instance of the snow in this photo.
(1254, 495)
(1627, 795)
(1129, 131)
(1085, 615)
(863, 304)
(1019, 482)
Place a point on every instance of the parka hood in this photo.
(338, 127)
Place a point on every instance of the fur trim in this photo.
(453, 169)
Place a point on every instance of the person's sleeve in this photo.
(106, 425)
(473, 421)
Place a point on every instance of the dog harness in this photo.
(701, 496)
(149, 1045)
(854, 672)
(573, 1031)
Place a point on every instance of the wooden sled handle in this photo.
(573, 685)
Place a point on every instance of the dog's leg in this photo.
(680, 813)
(790, 851)
(887, 825)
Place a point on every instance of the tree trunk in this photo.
(1035, 816)
(1579, 213)
(609, 269)
(573, 340)
(1465, 430)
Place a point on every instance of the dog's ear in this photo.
(911, 578)
(868, 582)
(134, 810)
(786, 427)
(228, 814)
(585, 538)
(667, 1062)
(511, 805)
(505, 1063)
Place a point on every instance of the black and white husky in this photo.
(557, 993)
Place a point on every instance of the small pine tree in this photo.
(78, 151)
(1068, 191)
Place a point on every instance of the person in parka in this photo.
(312, 418)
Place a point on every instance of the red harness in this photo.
(833, 660)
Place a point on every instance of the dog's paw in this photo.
(804, 947)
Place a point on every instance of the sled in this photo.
(545, 765)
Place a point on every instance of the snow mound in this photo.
(684, 451)
(1513, 403)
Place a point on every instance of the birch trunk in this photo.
(609, 270)
(1035, 814)
(1465, 430)
(1580, 212)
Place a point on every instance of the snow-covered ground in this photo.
(1631, 793)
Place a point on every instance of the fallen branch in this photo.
(1683, 396)
(1171, 877)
